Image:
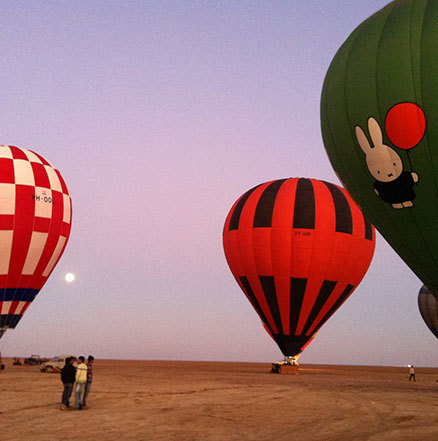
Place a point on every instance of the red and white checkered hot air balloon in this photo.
(35, 223)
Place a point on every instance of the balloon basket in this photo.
(288, 369)
(284, 368)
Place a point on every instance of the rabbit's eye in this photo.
(378, 172)
(393, 164)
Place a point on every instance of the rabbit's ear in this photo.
(362, 139)
(375, 132)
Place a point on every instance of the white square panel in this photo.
(5, 307)
(7, 198)
(23, 172)
(5, 250)
(67, 209)
(36, 247)
(55, 183)
(31, 156)
(5, 152)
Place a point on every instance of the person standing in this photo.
(81, 380)
(412, 373)
(89, 379)
(68, 375)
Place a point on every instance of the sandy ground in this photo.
(151, 400)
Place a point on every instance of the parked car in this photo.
(33, 360)
(55, 364)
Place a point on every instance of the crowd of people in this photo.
(79, 378)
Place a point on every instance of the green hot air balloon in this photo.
(379, 121)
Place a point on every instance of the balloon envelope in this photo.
(379, 121)
(428, 306)
(35, 222)
(298, 248)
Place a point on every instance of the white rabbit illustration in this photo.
(392, 184)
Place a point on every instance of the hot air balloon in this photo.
(35, 222)
(379, 121)
(297, 248)
(428, 306)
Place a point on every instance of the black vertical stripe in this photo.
(268, 285)
(368, 228)
(324, 293)
(344, 219)
(335, 306)
(297, 290)
(291, 345)
(304, 213)
(251, 296)
(235, 217)
(265, 205)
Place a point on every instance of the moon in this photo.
(69, 277)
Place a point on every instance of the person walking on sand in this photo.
(89, 379)
(68, 376)
(81, 380)
(412, 373)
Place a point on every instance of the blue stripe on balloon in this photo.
(18, 294)
(9, 320)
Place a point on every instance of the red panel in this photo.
(347, 266)
(281, 247)
(63, 185)
(231, 246)
(65, 229)
(7, 171)
(3, 281)
(6, 221)
(13, 307)
(17, 153)
(25, 307)
(339, 289)
(54, 232)
(232, 253)
(44, 161)
(246, 247)
(318, 248)
(41, 224)
(41, 177)
(261, 240)
(24, 215)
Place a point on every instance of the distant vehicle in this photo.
(55, 364)
(33, 360)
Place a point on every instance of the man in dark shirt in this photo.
(68, 374)
(89, 379)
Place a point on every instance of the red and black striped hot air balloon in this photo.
(35, 222)
(298, 248)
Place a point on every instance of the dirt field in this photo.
(147, 400)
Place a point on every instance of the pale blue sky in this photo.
(159, 115)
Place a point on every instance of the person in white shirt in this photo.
(412, 373)
(81, 380)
